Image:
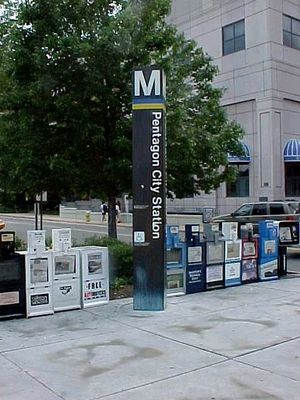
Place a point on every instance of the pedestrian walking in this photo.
(104, 210)
(118, 212)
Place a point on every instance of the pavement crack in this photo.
(38, 381)
(248, 364)
(266, 347)
(144, 385)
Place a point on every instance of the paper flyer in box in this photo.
(36, 241)
(61, 239)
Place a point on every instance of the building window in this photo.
(260, 209)
(276, 209)
(234, 37)
(291, 32)
(292, 179)
(240, 187)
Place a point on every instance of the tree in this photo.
(66, 122)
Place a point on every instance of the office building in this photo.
(256, 46)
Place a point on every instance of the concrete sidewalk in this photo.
(232, 344)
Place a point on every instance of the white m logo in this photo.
(140, 82)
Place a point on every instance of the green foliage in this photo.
(120, 256)
(5, 209)
(20, 244)
(66, 99)
(48, 242)
(119, 283)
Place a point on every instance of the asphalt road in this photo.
(80, 230)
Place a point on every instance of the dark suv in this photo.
(255, 212)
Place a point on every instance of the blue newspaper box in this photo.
(195, 264)
(214, 256)
(176, 262)
(268, 251)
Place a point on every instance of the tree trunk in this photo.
(112, 221)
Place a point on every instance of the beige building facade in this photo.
(256, 46)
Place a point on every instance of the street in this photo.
(80, 230)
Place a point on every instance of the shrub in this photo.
(20, 244)
(119, 283)
(48, 242)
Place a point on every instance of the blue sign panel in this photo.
(195, 265)
(268, 250)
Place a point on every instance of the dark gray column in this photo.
(149, 189)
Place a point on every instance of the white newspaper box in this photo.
(66, 272)
(38, 265)
(94, 275)
(66, 280)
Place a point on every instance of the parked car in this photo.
(295, 205)
(260, 211)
